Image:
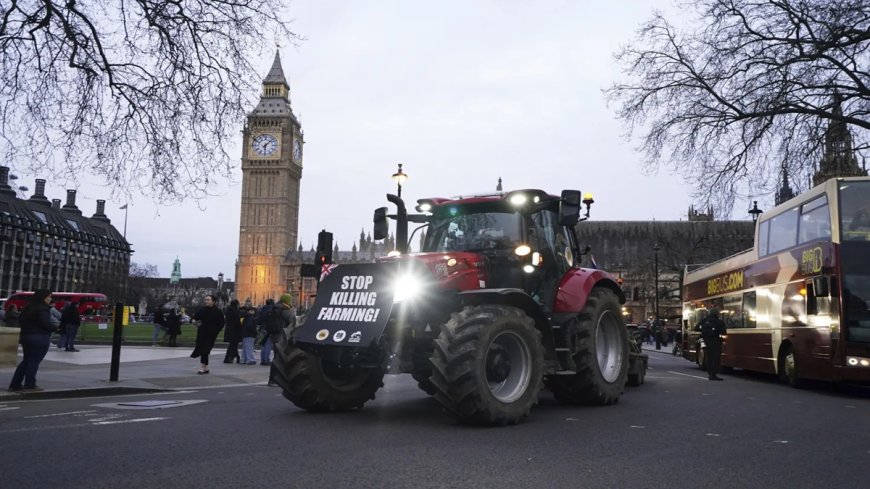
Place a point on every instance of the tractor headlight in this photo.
(407, 288)
(857, 361)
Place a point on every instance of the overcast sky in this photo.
(460, 92)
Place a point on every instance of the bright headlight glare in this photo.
(518, 199)
(528, 269)
(858, 361)
(394, 253)
(407, 288)
(536, 258)
(425, 207)
(522, 250)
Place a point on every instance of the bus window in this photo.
(763, 229)
(815, 222)
(732, 311)
(749, 309)
(855, 211)
(783, 231)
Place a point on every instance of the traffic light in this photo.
(324, 248)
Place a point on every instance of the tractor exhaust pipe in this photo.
(401, 223)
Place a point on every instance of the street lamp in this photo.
(124, 208)
(755, 211)
(400, 177)
(657, 329)
(220, 287)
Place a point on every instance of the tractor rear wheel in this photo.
(317, 385)
(488, 365)
(599, 345)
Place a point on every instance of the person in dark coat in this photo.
(12, 315)
(173, 326)
(70, 320)
(249, 335)
(35, 338)
(712, 328)
(210, 321)
(233, 331)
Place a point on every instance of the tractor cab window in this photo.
(474, 232)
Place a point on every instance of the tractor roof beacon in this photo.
(494, 307)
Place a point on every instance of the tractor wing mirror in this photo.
(569, 207)
(382, 228)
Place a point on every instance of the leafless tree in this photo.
(145, 94)
(748, 89)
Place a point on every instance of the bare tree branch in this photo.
(747, 91)
(145, 94)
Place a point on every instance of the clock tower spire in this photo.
(271, 173)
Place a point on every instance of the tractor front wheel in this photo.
(314, 384)
(488, 365)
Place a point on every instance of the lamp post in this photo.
(220, 288)
(755, 211)
(124, 207)
(656, 323)
(400, 177)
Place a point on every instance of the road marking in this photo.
(637, 426)
(687, 375)
(120, 421)
(8, 408)
(58, 414)
(781, 441)
(713, 434)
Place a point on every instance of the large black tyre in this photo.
(600, 350)
(424, 382)
(315, 385)
(488, 365)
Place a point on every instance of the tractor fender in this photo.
(576, 285)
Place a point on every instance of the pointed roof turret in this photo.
(275, 99)
(276, 73)
(785, 192)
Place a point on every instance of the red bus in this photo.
(90, 303)
(798, 303)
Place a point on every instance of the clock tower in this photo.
(271, 171)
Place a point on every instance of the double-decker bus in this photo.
(798, 303)
(89, 303)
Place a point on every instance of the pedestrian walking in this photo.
(35, 338)
(70, 320)
(249, 335)
(55, 316)
(209, 320)
(712, 328)
(159, 325)
(173, 326)
(286, 318)
(12, 315)
(266, 316)
(232, 332)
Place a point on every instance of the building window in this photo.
(74, 225)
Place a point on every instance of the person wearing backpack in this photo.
(712, 328)
(282, 317)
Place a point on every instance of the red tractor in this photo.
(493, 308)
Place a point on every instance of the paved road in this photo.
(678, 430)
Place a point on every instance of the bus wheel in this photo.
(788, 367)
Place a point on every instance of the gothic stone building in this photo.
(627, 249)
(46, 245)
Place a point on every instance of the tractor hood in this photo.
(460, 270)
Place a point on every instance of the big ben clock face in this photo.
(265, 145)
(297, 151)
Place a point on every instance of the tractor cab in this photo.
(524, 238)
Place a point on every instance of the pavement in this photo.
(141, 369)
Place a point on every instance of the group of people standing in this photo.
(241, 326)
(38, 320)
